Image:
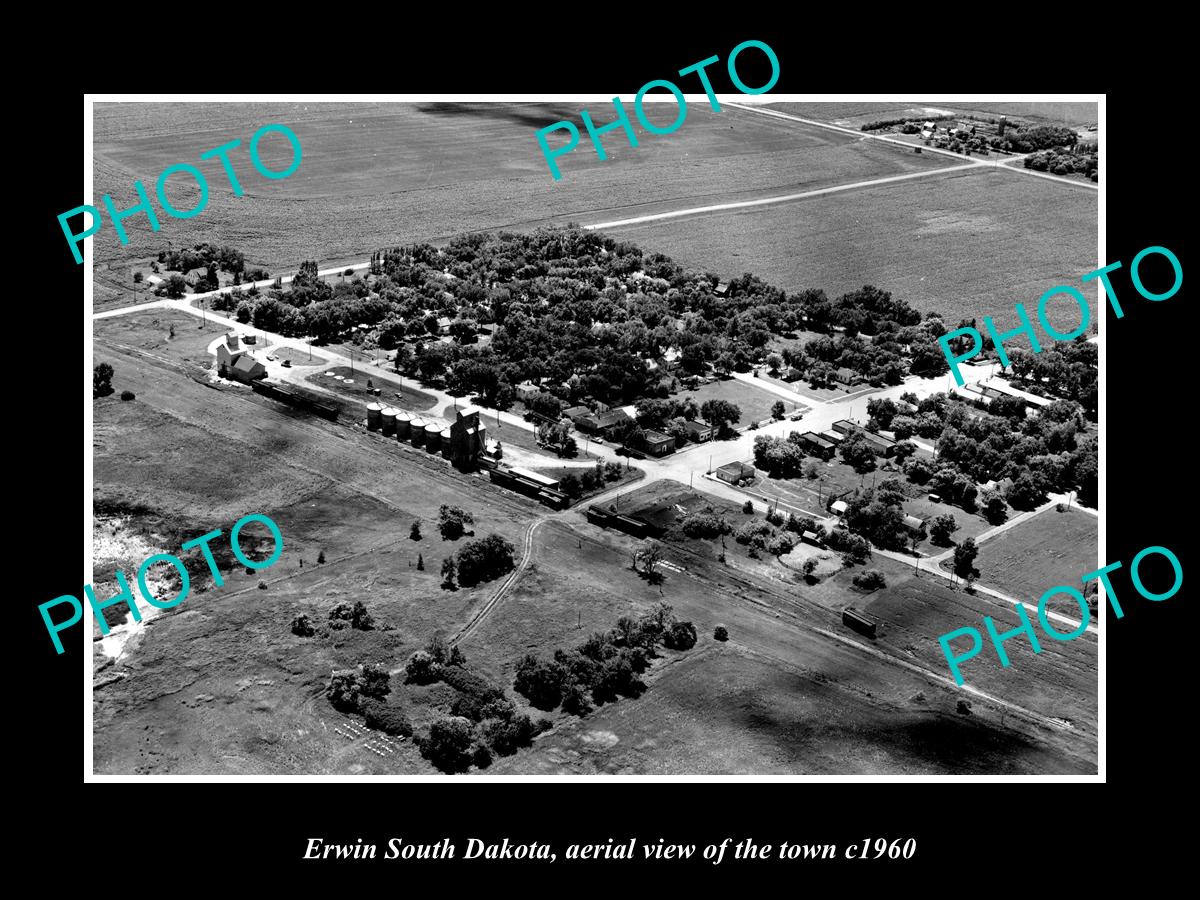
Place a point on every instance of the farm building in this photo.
(246, 368)
(698, 431)
(832, 437)
(839, 507)
(811, 537)
(735, 471)
(913, 524)
(658, 444)
(816, 445)
(542, 480)
(881, 445)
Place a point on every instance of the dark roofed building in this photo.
(698, 431)
(816, 445)
(246, 368)
(658, 444)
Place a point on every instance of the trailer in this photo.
(856, 621)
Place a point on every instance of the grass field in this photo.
(966, 245)
(1050, 549)
(219, 683)
(726, 711)
(411, 398)
(150, 332)
(376, 175)
(754, 402)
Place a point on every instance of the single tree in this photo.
(777, 409)
(964, 558)
(102, 377)
(321, 557)
(941, 528)
(414, 533)
(420, 563)
(449, 572)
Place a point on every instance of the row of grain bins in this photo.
(432, 434)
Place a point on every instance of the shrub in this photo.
(422, 669)
(128, 395)
(321, 558)
(468, 682)
(360, 618)
(539, 681)
(681, 636)
(453, 522)
(705, 525)
(388, 719)
(448, 744)
(262, 585)
(575, 700)
(506, 736)
(870, 579)
(302, 627)
(348, 688)
(720, 633)
(481, 756)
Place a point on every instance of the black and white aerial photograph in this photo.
(741, 448)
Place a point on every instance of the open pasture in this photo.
(966, 244)
(376, 175)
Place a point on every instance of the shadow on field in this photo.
(530, 115)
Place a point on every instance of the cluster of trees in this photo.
(1066, 161)
(482, 721)
(1027, 139)
(484, 559)
(453, 522)
(350, 688)
(589, 314)
(589, 480)
(203, 255)
(758, 535)
(341, 616)
(878, 515)
(605, 666)
(907, 125)
(854, 548)
(881, 338)
(1068, 370)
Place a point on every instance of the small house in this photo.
(734, 472)
(845, 376)
(658, 444)
(839, 507)
(576, 414)
(913, 524)
(527, 390)
(443, 324)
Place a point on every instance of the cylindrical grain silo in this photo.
(433, 437)
(374, 415)
(403, 426)
(389, 420)
(444, 439)
(417, 434)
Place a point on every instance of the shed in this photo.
(839, 507)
